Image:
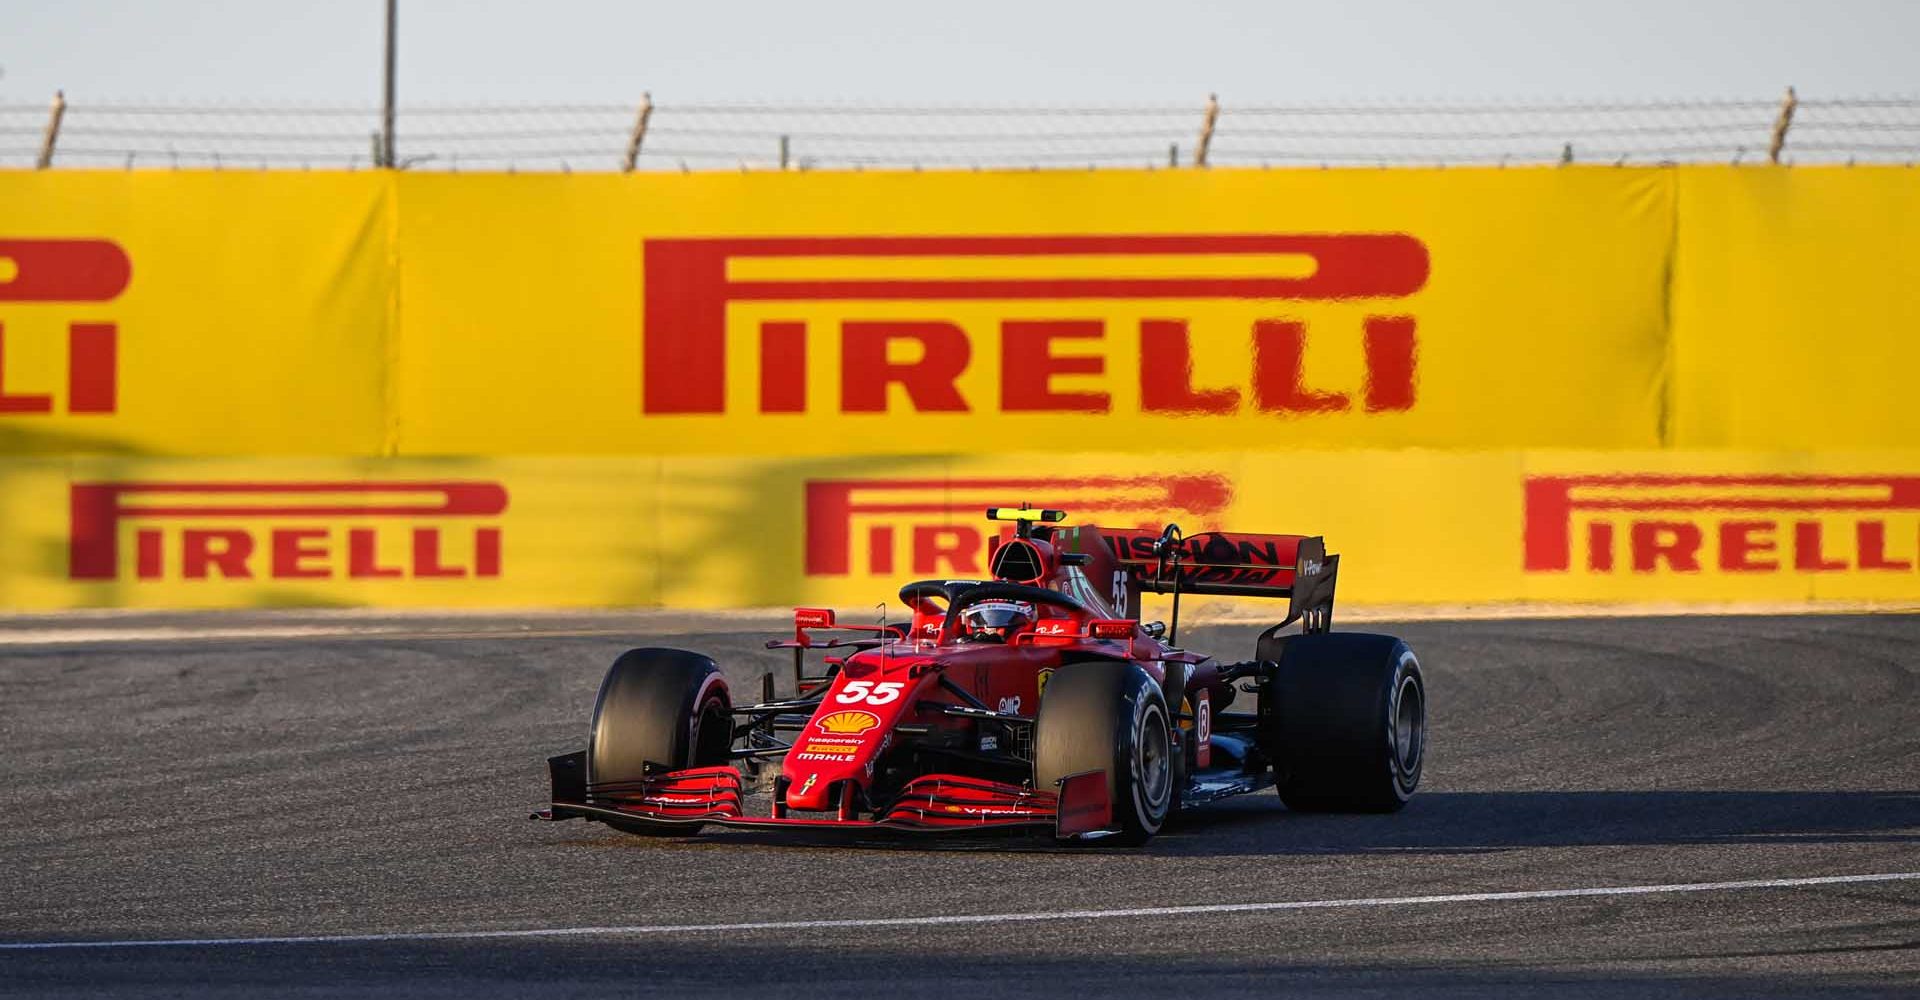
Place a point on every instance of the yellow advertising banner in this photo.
(246, 313)
(1412, 527)
(207, 313)
(904, 313)
(1796, 308)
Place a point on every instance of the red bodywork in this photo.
(934, 682)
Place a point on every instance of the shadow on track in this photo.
(1473, 822)
(1439, 823)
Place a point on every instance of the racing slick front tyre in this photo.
(1348, 726)
(668, 707)
(1109, 716)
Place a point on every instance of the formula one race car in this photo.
(1031, 699)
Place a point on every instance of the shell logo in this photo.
(848, 723)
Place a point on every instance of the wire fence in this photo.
(748, 136)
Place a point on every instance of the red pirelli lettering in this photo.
(783, 367)
(1748, 547)
(206, 549)
(1166, 373)
(294, 537)
(940, 513)
(1756, 524)
(92, 373)
(1279, 377)
(866, 372)
(687, 287)
(64, 270)
(19, 402)
(1674, 543)
(1028, 366)
(299, 553)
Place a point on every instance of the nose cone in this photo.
(840, 744)
(852, 727)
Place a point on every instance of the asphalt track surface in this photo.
(378, 784)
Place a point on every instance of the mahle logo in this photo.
(287, 531)
(939, 524)
(1733, 524)
(691, 282)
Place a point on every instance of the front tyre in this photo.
(667, 707)
(1109, 716)
(1348, 723)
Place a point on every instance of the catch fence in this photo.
(669, 136)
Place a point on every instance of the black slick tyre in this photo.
(667, 707)
(1109, 716)
(1347, 727)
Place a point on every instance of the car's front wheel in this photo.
(1109, 716)
(667, 707)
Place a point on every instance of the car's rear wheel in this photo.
(1109, 716)
(1347, 724)
(667, 707)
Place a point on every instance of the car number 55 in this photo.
(869, 693)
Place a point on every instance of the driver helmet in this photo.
(995, 621)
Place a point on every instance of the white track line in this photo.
(980, 918)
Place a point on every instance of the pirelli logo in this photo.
(689, 284)
(79, 273)
(937, 524)
(286, 531)
(1732, 524)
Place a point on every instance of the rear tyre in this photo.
(1109, 716)
(1348, 723)
(667, 707)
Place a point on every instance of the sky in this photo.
(970, 52)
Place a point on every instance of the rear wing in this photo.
(1232, 564)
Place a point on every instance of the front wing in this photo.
(928, 803)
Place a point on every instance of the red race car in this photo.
(1033, 699)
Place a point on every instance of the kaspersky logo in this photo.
(939, 521)
(691, 282)
(1734, 524)
(287, 531)
(80, 273)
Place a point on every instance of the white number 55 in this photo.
(857, 692)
